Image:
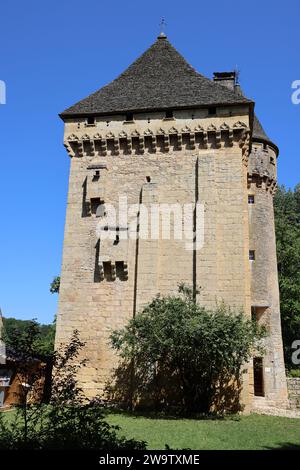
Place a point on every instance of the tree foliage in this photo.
(287, 224)
(44, 339)
(55, 285)
(182, 355)
(69, 421)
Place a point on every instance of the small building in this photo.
(17, 375)
(10, 385)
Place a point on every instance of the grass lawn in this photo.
(239, 433)
(245, 433)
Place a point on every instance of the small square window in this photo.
(97, 207)
(129, 117)
(96, 175)
(169, 114)
(95, 203)
(251, 199)
(212, 111)
(91, 121)
(251, 255)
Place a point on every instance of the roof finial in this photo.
(162, 26)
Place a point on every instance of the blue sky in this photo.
(55, 53)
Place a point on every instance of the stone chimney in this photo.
(228, 79)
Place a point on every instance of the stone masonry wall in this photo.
(294, 391)
(191, 158)
(264, 278)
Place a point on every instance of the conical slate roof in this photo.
(258, 130)
(159, 79)
(260, 135)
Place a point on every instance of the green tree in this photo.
(14, 328)
(69, 421)
(287, 224)
(55, 285)
(181, 354)
(23, 344)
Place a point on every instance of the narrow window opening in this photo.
(169, 114)
(91, 121)
(129, 117)
(251, 199)
(148, 179)
(121, 271)
(107, 270)
(258, 373)
(212, 111)
(95, 202)
(251, 255)
(96, 175)
(272, 160)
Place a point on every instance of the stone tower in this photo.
(162, 135)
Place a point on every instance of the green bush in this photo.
(293, 373)
(69, 421)
(179, 355)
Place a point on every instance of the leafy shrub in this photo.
(177, 354)
(69, 421)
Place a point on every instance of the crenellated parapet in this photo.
(160, 140)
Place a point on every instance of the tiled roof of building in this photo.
(260, 135)
(258, 130)
(159, 79)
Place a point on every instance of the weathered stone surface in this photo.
(294, 391)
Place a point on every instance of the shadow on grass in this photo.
(284, 446)
(171, 416)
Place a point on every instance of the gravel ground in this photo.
(268, 410)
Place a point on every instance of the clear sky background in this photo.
(54, 53)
